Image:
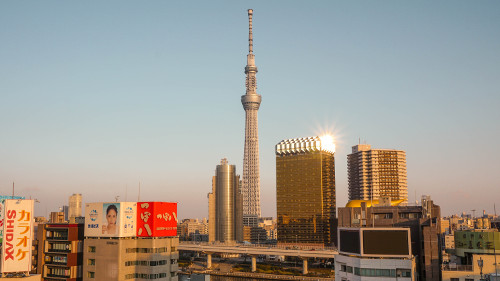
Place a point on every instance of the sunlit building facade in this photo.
(75, 206)
(225, 205)
(305, 191)
(375, 173)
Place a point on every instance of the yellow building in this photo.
(305, 191)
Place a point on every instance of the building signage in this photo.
(156, 219)
(2, 200)
(18, 231)
(116, 219)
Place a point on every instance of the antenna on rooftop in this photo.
(139, 196)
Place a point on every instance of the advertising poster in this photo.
(156, 219)
(18, 235)
(128, 219)
(111, 219)
(2, 200)
(93, 219)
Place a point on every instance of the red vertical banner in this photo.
(156, 219)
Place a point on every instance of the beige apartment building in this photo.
(375, 173)
(130, 258)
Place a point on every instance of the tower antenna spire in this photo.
(250, 34)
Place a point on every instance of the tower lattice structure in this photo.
(251, 103)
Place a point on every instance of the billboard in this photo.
(375, 242)
(349, 241)
(18, 230)
(2, 200)
(113, 219)
(156, 219)
(386, 242)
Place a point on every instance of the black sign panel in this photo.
(349, 241)
(385, 242)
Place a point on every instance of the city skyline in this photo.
(98, 98)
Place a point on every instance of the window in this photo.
(403, 272)
(454, 279)
(91, 249)
(91, 262)
(91, 274)
(469, 279)
(383, 216)
(409, 215)
(349, 269)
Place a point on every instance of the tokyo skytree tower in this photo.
(251, 102)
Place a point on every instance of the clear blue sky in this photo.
(97, 96)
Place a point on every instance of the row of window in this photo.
(390, 215)
(148, 263)
(91, 249)
(375, 272)
(149, 276)
(56, 259)
(59, 272)
(59, 247)
(150, 250)
(91, 274)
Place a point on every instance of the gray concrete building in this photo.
(225, 204)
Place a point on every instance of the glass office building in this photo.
(305, 191)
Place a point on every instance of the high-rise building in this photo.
(225, 221)
(75, 207)
(65, 210)
(251, 103)
(375, 173)
(305, 191)
(57, 217)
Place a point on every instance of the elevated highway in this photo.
(255, 250)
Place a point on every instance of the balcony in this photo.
(55, 263)
(63, 277)
(63, 238)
